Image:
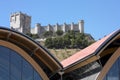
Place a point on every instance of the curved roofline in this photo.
(25, 56)
(1, 27)
(109, 64)
(96, 52)
(113, 35)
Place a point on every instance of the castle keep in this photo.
(22, 23)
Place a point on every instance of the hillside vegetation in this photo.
(70, 40)
(62, 54)
(64, 45)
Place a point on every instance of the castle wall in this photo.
(15, 21)
(64, 27)
(81, 26)
(57, 27)
(22, 22)
(76, 27)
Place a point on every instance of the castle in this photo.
(22, 22)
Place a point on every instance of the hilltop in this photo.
(65, 45)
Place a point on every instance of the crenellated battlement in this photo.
(22, 23)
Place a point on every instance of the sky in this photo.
(101, 17)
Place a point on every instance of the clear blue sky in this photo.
(101, 16)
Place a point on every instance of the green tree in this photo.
(71, 34)
(48, 34)
(54, 41)
(59, 32)
(29, 34)
(34, 36)
(66, 42)
(58, 42)
(48, 43)
(70, 40)
(73, 44)
(78, 41)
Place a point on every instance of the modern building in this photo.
(21, 58)
(22, 22)
(99, 61)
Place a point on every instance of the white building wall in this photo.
(13, 21)
(57, 27)
(76, 27)
(81, 26)
(72, 26)
(32, 31)
(20, 22)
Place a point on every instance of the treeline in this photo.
(70, 39)
(34, 36)
(46, 34)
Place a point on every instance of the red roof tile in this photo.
(84, 53)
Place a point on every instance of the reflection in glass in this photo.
(27, 72)
(14, 67)
(113, 73)
(36, 76)
(4, 63)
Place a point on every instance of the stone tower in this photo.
(81, 26)
(20, 22)
(37, 29)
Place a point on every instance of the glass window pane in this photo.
(113, 73)
(4, 63)
(105, 78)
(15, 66)
(27, 72)
(36, 76)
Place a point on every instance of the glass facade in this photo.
(15, 67)
(87, 72)
(114, 72)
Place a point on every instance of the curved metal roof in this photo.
(34, 49)
(93, 50)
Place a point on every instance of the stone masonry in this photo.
(22, 23)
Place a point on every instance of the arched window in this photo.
(114, 72)
(15, 67)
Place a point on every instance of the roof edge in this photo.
(4, 28)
